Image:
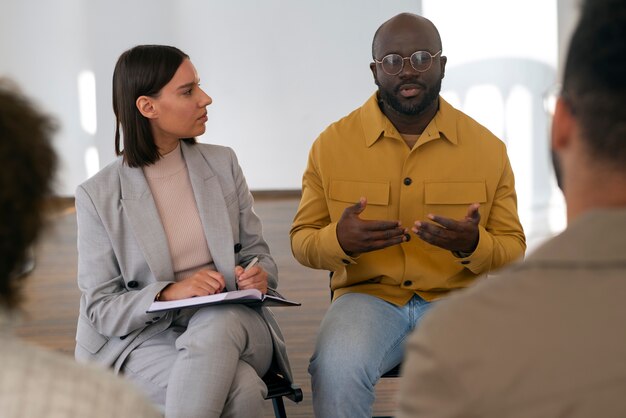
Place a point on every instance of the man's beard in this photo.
(391, 99)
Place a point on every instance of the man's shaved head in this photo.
(420, 23)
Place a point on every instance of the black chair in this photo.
(395, 372)
(277, 387)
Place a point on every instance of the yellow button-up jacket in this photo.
(455, 162)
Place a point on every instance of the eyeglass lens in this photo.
(420, 61)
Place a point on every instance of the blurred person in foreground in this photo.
(404, 158)
(35, 382)
(546, 339)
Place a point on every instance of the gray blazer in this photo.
(123, 255)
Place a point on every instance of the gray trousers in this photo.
(207, 364)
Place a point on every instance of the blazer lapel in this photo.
(145, 222)
(213, 212)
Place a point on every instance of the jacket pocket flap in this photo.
(351, 191)
(455, 193)
(88, 338)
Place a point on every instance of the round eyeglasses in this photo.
(421, 61)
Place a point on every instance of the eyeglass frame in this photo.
(408, 58)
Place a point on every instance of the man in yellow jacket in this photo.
(406, 161)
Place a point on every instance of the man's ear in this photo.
(146, 107)
(563, 125)
(443, 60)
(373, 68)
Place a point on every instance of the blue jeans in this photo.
(360, 338)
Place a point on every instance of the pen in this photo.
(248, 267)
(251, 263)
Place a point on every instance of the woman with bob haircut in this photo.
(170, 219)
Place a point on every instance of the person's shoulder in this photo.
(107, 175)
(592, 238)
(592, 241)
(468, 128)
(53, 380)
(347, 120)
(350, 123)
(482, 306)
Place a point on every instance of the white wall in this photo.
(502, 61)
(278, 71)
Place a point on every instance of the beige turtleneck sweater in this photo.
(171, 188)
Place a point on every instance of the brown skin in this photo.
(452, 235)
(358, 236)
(404, 34)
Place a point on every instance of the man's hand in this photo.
(357, 236)
(461, 236)
(201, 283)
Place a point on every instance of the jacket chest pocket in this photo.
(344, 193)
(451, 199)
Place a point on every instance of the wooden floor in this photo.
(51, 303)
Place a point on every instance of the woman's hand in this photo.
(255, 278)
(203, 282)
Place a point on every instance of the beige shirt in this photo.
(547, 338)
(35, 383)
(173, 195)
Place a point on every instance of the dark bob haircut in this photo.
(141, 71)
(28, 163)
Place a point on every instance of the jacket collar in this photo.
(213, 211)
(144, 218)
(376, 124)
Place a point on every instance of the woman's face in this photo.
(180, 108)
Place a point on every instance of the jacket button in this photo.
(237, 248)
(408, 237)
(408, 283)
(133, 284)
(407, 181)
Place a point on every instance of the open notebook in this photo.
(247, 297)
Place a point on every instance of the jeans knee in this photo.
(339, 368)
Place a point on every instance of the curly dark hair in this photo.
(28, 163)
